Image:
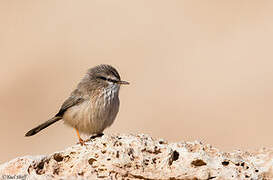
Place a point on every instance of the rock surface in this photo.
(141, 157)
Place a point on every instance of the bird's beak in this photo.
(123, 82)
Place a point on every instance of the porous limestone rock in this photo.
(141, 157)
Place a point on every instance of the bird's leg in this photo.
(96, 136)
(81, 141)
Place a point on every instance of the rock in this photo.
(141, 157)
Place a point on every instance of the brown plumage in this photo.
(93, 105)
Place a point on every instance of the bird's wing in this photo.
(73, 100)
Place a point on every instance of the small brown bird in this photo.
(92, 106)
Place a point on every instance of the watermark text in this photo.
(8, 176)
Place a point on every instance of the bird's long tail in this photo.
(42, 126)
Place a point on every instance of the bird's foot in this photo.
(82, 142)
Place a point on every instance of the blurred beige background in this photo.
(199, 70)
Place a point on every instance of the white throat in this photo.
(110, 93)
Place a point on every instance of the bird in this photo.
(92, 106)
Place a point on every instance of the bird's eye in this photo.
(107, 79)
(103, 78)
